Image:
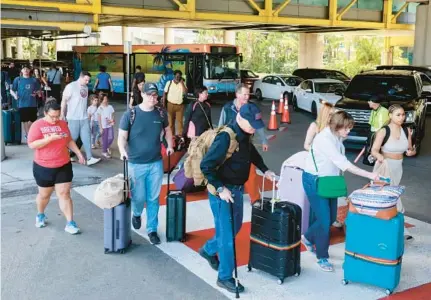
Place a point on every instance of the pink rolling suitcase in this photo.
(290, 189)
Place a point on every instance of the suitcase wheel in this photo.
(249, 268)
(106, 251)
(296, 275)
(122, 251)
(183, 240)
(344, 282)
(280, 281)
(388, 292)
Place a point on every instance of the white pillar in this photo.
(421, 53)
(310, 50)
(8, 48)
(169, 36)
(229, 37)
(19, 48)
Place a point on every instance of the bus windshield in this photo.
(222, 67)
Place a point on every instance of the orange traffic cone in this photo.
(285, 118)
(273, 124)
(280, 105)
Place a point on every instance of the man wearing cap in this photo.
(24, 90)
(140, 131)
(379, 115)
(228, 178)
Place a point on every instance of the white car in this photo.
(272, 86)
(309, 94)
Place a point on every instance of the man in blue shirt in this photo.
(103, 82)
(140, 130)
(24, 90)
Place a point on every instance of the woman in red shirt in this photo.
(52, 169)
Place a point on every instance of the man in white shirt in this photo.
(75, 104)
(173, 97)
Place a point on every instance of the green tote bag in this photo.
(330, 186)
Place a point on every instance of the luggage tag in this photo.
(382, 181)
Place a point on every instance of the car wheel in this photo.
(295, 104)
(259, 95)
(314, 109)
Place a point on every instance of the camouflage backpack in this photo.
(197, 150)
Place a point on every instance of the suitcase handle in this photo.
(126, 186)
(273, 200)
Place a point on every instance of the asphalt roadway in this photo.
(50, 264)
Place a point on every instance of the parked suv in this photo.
(390, 87)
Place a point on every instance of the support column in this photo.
(310, 50)
(8, 48)
(169, 36)
(19, 48)
(421, 53)
(387, 56)
(229, 37)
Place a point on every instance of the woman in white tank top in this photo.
(391, 154)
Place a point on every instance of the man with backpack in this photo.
(173, 96)
(140, 131)
(226, 178)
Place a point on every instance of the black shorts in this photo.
(49, 177)
(28, 114)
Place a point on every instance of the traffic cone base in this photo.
(272, 124)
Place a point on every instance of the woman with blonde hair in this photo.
(325, 112)
(326, 109)
(390, 153)
(327, 158)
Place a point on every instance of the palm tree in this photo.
(159, 58)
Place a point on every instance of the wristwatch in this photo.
(219, 190)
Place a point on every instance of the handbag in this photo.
(330, 186)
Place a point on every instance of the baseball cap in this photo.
(150, 88)
(252, 114)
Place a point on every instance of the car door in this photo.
(266, 86)
(277, 88)
(305, 95)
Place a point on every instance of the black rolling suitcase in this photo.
(275, 238)
(175, 213)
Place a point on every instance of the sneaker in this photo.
(212, 259)
(325, 265)
(154, 238)
(106, 155)
(229, 285)
(337, 224)
(136, 222)
(408, 237)
(72, 228)
(92, 161)
(309, 246)
(109, 151)
(40, 220)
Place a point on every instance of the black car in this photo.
(390, 87)
(308, 73)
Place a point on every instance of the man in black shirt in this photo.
(228, 178)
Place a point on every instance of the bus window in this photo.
(226, 67)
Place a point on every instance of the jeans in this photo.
(146, 182)
(222, 242)
(95, 132)
(107, 138)
(325, 213)
(81, 128)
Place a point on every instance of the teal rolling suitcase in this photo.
(11, 126)
(374, 250)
